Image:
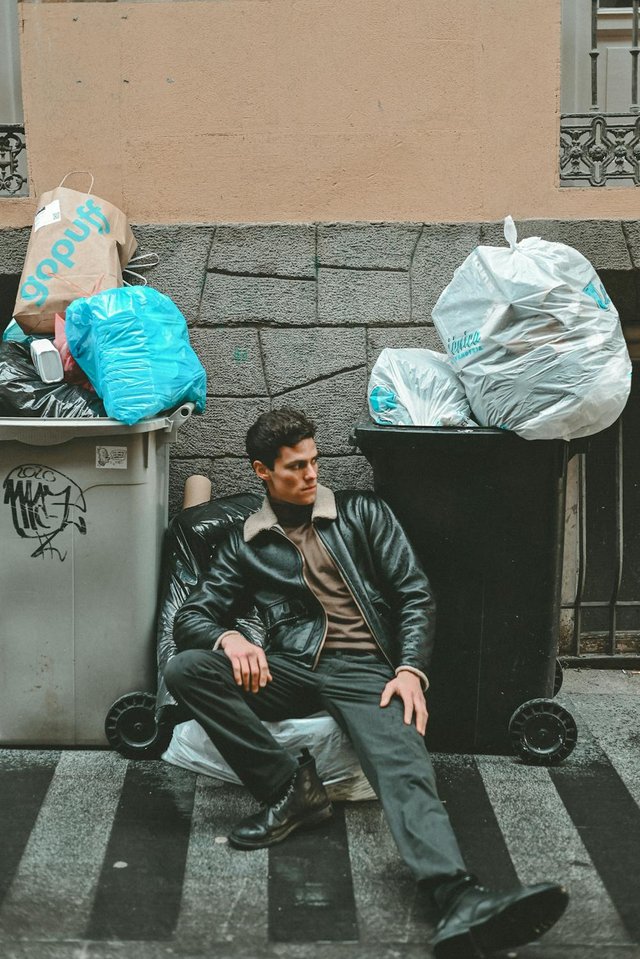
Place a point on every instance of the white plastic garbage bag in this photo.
(336, 762)
(535, 339)
(417, 388)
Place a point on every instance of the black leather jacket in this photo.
(257, 564)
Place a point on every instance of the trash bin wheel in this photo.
(132, 729)
(542, 732)
(559, 676)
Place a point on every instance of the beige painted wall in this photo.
(301, 110)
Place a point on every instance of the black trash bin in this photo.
(484, 510)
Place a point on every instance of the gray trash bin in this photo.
(83, 509)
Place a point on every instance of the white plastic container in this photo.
(83, 509)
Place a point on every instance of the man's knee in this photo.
(187, 666)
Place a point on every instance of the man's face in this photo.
(294, 477)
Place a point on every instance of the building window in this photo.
(13, 157)
(600, 110)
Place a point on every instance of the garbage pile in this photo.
(534, 345)
(417, 387)
(83, 341)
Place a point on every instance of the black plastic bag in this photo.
(22, 392)
(189, 544)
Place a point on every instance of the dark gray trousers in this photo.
(348, 686)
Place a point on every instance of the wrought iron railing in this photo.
(600, 148)
(605, 606)
(13, 161)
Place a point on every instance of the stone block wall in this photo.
(298, 313)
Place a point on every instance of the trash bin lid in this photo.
(51, 432)
(379, 435)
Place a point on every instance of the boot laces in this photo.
(279, 803)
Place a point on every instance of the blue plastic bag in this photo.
(15, 334)
(133, 344)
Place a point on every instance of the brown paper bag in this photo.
(79, 245)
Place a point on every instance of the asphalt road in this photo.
(106, 858)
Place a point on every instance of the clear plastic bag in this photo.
(417, 388)
(336, 762)
(535, 339)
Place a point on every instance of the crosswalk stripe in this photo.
(24, 780)
(310, 886)
(481, 842)
(54, 883)
(224, 890)
(545, 846)
(617, 732)
(389, 905)
(607, 820)
(140, 886)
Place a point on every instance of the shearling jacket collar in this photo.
(323, 508)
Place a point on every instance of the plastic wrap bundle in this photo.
(336, 762)
(535, 339)
(417, 388)
(22, 392)
(133, 344)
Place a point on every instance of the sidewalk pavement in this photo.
(105, 859)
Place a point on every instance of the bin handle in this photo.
(179, 417)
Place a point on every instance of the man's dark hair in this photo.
(282, 427)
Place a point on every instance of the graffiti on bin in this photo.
(43, 504)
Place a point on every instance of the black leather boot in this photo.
(304, 803)
(477, 923)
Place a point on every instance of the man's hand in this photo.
(408, 687)
(250, 667)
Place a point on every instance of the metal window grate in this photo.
(13, 161)
(606, 605)
(600, 148)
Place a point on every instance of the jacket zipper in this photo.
(306, 583)
(353, 596)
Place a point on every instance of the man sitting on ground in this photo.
(349, 620)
